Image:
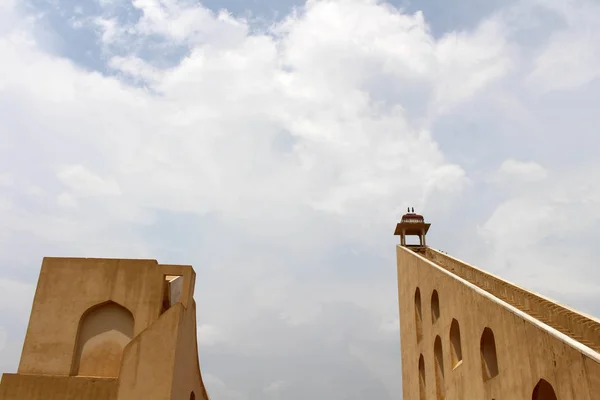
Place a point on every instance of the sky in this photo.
(273, 145)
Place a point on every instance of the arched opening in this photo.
(413, 240)
(455, 344)
(435, 306)
(104, 331)
(192, 396)
(543, 391)
(439, 367)
(422, 382)
(489, 359)
(418, 315)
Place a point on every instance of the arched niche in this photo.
(104, 331)
(439, 367)
(422, 381)
(192, 396)
(455, 343)
(543, 391)
(435, 306)
(418, 315)
(489, 358)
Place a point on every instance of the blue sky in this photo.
(274, 145)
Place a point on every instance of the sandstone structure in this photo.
(109, 329)
(114, 329)
(466, 334)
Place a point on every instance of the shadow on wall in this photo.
(435, 306)
(455, 344)
(418, 315)
(439, 367)
(489, 360)
(422, 382)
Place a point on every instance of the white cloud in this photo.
(208, 335)
(66, 200)
(468, 62)
(109, 28)
(571, 56)
(543, 236)
(85, 183)
(6, 179)
(275, 387)
(15, 298)
(136, 67)
(276, 162)
(218, 390)
(523, 170)
(564, 205)
(3, 337)
(7, 17)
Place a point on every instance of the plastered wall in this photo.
(106, 317)
(32, 387)
(525, 352)
(583, 328)
(67, 288)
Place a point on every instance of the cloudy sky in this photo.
(273, 144)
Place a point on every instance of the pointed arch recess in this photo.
(455, 344)
(104, 331)
(543, 391)
(439, 368)
(435, 306)
(422, 381)
(489, 358)
(418, 315)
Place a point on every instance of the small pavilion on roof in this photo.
(414, 225)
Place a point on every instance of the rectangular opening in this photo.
(412, 240)
(172, 290)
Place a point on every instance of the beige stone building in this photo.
(466, 334)
(109, 329)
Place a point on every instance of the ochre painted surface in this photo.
(104, 331)
(525, 353)
(99, 331)
(32, 387)
(150, 357)
(582, 328)
(186, 375)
